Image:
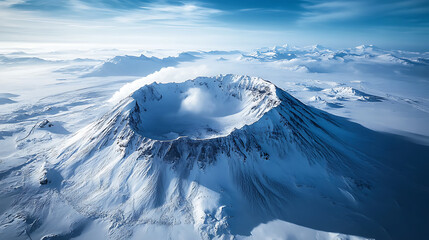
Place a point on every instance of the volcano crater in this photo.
(202, 108)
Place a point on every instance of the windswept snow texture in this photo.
(137, 66)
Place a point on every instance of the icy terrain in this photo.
(88, 151)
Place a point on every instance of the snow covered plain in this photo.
(67, 119)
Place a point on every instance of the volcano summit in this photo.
(223, 155)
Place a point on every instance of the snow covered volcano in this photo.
(222, 155)
(201, 109)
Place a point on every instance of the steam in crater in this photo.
(197, 101)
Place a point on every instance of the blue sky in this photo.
(218, 24)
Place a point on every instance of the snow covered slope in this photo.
(136, 66)
(317, 52)
(222, 155)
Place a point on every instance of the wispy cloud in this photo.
(183, 14)
(331, 11)
(8, 3)
(155, 25)
(316, 11)
(148, 13)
